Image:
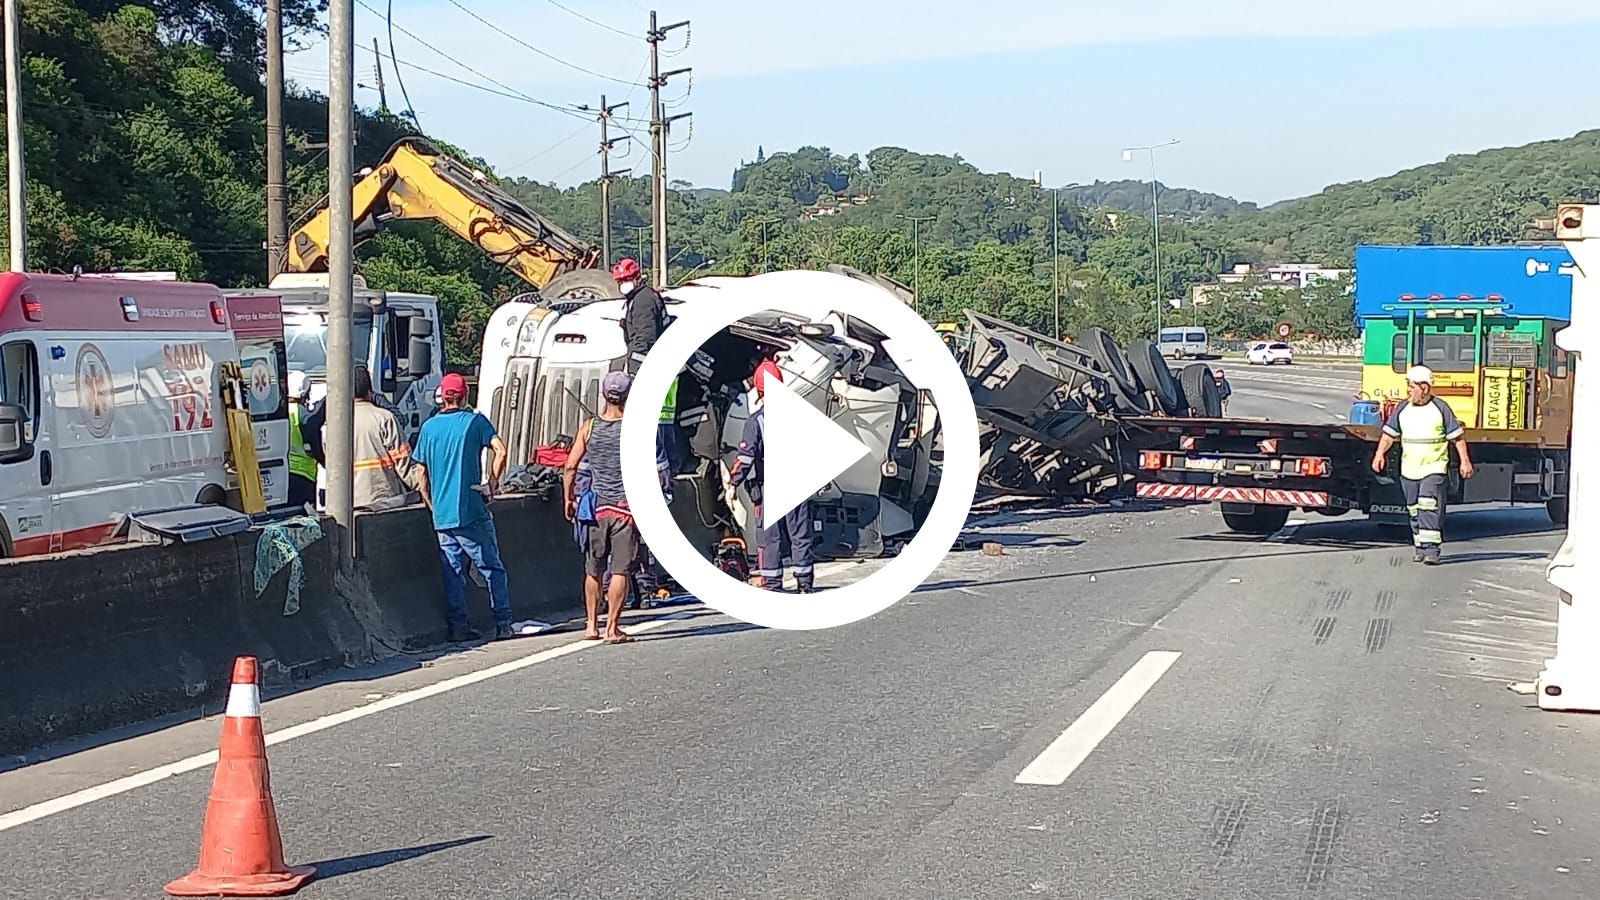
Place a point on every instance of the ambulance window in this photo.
(19, 377)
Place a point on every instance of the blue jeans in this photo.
(478, 543)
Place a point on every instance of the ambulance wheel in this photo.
(1258, 520)
(584, 284)
(1556, 508)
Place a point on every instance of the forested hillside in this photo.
(145, 139)
(987, 241)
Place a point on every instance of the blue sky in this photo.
(1268, 103)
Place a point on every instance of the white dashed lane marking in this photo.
(1059, 760)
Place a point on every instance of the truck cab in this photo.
(395, 335)
(543, 360)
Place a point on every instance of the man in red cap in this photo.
(450, 456)
(644, 313)
(794, 529)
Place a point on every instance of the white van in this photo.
(1189, 342)
(110, 403)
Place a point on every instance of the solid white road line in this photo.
(1284, 534)
(199, 761)
(1067, 752)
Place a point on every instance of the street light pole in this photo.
(340, 428)
(1055, 257)
(1155, 217)
(16, 177)
(916, 257)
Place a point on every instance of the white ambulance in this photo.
(110, 403)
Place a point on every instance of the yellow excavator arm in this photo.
(415, 181)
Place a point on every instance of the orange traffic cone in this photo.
(241, 851)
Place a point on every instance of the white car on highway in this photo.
(1267, 353)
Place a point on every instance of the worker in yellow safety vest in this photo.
(302, 467)
(1426, 428)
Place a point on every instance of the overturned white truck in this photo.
(542, 363)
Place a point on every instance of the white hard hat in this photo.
(1419, 375)
(299, 385)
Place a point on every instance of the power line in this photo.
(594, 22)
(389, 20)
(546, 54)
(509, 95)
(570, 169)
(511, 91)
(546, 151)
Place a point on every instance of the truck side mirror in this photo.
(16, 434)
(419, 358)
(419, 327)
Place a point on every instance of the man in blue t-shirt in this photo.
(450, 453)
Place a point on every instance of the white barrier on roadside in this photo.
(1571, 679)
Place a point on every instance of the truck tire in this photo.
(1101, 348)
(1154, 376)
(1262, 520)
(1556, 508)
(1200, 397)
(584, 284)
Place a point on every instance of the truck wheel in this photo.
(1262, 520)
(584, 284)
(1103, 349)
(1556, 508)
(1200, 397)
(1154, 376)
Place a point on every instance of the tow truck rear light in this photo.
(219, 313)
(1314, 466)
(32, 309)
(1152, 459)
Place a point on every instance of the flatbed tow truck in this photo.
(1501, 373)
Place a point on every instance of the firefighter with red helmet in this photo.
(644, 313)
(794, 529)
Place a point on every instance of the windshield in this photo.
(306, 341)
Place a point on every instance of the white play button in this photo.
(804, 450)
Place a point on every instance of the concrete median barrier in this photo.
(101, 639)
(104, 638)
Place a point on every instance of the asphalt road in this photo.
(1298, 393)
(1189, 715)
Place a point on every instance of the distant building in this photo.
(1288, 275)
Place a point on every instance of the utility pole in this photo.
(658, 146)
(1055, 256)
(277, 183)
(766, 258)
(16, 173)
(916, 256)
(1155, 219)
(377, 70)
(340, 435)
(638, 232)
(606, 142)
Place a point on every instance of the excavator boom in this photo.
(416, 181)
